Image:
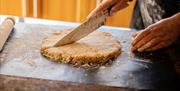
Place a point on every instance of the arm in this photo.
(176, 20)
(158, 35)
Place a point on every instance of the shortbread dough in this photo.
(97, 48)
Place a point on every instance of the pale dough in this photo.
(97, 48)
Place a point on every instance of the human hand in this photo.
(159, 35)
(115, 6)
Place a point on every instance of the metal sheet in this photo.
(21, 57)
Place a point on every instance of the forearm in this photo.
(176, 22)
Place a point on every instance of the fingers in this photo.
(158, 46)
(100, 1)
(144, 41)
(134, 34)
(120, 5)
(149, 44)
(140, 36)
(140, 44)
(105, 4)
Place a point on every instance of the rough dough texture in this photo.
(97, 48)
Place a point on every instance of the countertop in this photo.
(20, 69)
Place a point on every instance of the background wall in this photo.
(65, 10)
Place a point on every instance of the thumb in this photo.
(119, 6)
(105, 4)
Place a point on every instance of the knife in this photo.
(87, 27)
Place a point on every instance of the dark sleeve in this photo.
(171, 7)
(147, 12)
(136, 20)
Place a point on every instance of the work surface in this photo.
(21, 57)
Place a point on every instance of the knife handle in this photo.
(5, 30)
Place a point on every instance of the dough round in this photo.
(98, 48)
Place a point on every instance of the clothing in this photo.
(147, 12)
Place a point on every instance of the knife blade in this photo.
(87, 27)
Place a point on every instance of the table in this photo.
(130, 71)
